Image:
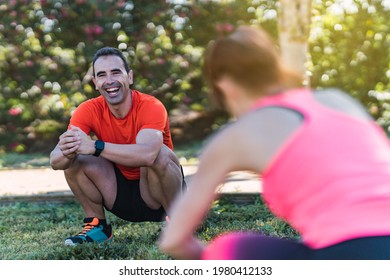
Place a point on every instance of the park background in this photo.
(46, 48)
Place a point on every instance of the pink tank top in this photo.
(331, 179)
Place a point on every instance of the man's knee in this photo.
(77, 165)
(165, 159)
(85, 164)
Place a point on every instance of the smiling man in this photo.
(131, 169)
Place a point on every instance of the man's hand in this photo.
(86, 146)
(72, 142)
(69, 143)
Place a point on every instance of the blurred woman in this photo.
(324, 162)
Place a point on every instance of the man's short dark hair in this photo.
(109, 51)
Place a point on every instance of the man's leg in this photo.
(93, 182)
(162, 182)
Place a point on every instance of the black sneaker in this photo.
(92, 231)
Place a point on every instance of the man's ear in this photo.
(130, 74)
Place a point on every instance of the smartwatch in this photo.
(99, 147)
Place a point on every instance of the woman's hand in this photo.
(190, 249)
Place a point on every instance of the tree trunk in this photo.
(294, 28)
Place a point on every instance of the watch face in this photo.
(99, 145)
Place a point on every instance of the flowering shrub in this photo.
(46, 48)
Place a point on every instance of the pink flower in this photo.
(98, 29)
(95, 29)
(229, 27)
(224, 27)
(15, 111)
(120, 4)
(29, 63)
(160, 61)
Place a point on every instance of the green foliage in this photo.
(37, 231)
(350, 49)
(46, 49)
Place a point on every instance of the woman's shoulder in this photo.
(341, 101)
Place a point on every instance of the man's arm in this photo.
(148, 144)
(65, 151)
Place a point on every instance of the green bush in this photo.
(46, 49)
(350, 49)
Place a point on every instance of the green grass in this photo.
(17, 161)
(30, 231)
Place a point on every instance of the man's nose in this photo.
(109, 79)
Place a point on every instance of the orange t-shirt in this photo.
(146, 111)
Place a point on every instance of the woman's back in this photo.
(329, 165)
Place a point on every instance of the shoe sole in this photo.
(69, 242)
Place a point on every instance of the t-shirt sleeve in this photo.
(82, 118)
(154, 115)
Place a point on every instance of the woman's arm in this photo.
(187, 213)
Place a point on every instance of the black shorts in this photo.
(129, 204)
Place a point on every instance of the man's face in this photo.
(111, 79)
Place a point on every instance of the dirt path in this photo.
(22, 182)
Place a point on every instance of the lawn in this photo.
(18, 160)
(32, 231)
(36, 231)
